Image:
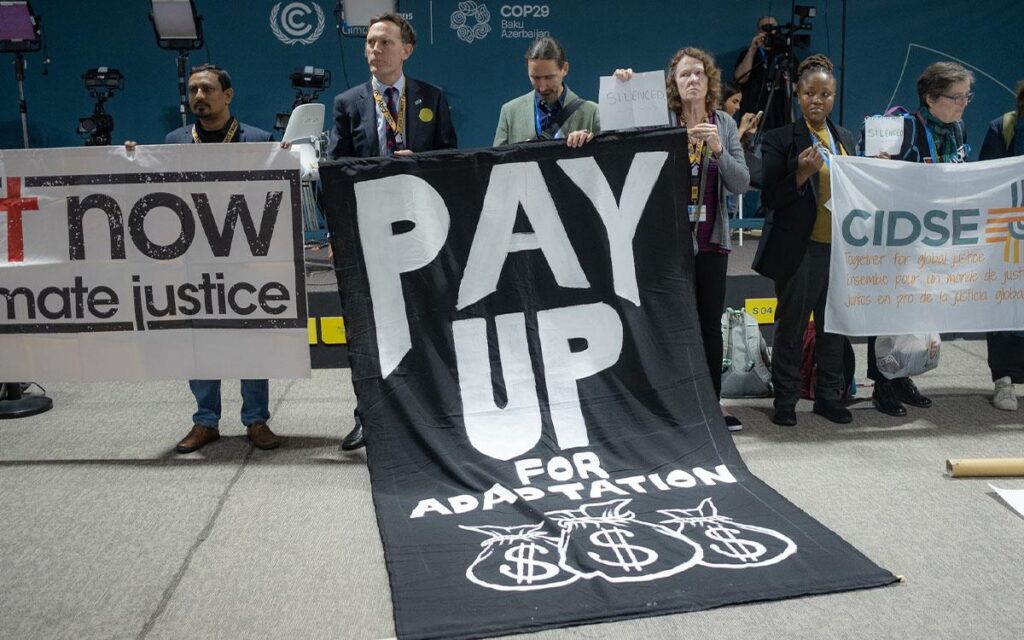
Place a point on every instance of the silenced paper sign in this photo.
(638, 102)
(883, 133)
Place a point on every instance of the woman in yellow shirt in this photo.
(796, 250)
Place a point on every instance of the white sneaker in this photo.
(1005, 397)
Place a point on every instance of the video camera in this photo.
(783, 37)
(101, 83)
(307, 82)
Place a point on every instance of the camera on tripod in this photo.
(308, 83)
(781, 38)
(101, 82)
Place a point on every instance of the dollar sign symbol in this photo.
(626, 554)
(526, 566)
(733, 547)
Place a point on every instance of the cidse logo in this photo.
(525, 11)
(470, 21)
(291, 26)
(1006, 226)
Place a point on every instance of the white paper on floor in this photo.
(1012, 497)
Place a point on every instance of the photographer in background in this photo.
(753, 75)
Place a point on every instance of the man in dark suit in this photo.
(389, 115)
(209, 97)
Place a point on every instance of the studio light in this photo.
(177, 24)
(20, 33)
(178, 28)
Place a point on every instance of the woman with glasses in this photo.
(1005, 139)
(717, 167)
(797, 249)
(934, 133)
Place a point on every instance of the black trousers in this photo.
(805, 291)
(1006, 355)
(710, 271)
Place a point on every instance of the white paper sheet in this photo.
(638, 102)
(1012, 497)
(883, 133)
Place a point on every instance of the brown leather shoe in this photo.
(197, 438)
(261, 436)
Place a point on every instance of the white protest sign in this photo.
(919, 248)
(172, 262)
(883, 133)
(638, 102)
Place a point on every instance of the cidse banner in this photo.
(173, 262)
(544, 443)
(921, 248)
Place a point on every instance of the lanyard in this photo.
(537, 119)
(930, 138)
(819, 145)
(232, 130)
(395, 126)
(703, 156)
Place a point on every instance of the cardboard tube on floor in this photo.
(978, 467)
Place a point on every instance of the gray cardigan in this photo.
(733, 175)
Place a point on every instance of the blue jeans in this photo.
(255, 402)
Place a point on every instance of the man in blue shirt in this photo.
(551, 110)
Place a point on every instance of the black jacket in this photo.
(246, 133)
(428, 121)
(792, 211)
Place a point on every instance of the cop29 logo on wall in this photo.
(471, 11)
(471, 21)
(291, 24)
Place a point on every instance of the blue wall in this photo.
(599, 35)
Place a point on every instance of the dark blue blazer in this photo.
(428, 121)
(994, 146)
(246, 133)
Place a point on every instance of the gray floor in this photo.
(106, 533)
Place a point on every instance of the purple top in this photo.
(705, 228)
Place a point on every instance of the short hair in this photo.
(767, 16)
(814, 63)
(222, 76)
(408, 33)
(1020, 99)
(711, 70)
(939, 77)
(546, 48)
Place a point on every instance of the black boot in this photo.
(907, 392)
(886, 400)
(354, 440)
(833, 411)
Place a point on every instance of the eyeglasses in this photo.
(960, 98)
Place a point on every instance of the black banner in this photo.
(544, 443)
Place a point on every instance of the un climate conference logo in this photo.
(290, 26)
(467, 11)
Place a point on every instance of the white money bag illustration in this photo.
(729, 544)
(607, 541)
(519, 558)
